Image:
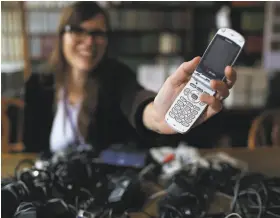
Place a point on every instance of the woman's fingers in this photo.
(221, 89)
(213, 102)
(231, 76)
(183, 73)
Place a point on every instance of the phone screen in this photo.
(221, 53)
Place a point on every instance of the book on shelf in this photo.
(47, 45)
(12, 36)
(33, 5)
(254, 44)
(42, 22)
(35, 47)
(134, 19)
(41, 46)
(246, 3)
(152, 43)
(149, 43)
(169, 43)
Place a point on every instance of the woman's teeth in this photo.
(85, 53)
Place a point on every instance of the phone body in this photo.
(222, 51)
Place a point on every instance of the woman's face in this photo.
(83, 51)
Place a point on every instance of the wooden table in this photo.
(263, 160)
(10, 161)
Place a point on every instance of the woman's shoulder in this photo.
(40, 79)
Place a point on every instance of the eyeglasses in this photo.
(81, 33)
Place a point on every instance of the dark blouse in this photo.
(116, 119)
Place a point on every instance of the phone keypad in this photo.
(184, 111)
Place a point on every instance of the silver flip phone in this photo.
(222, 51)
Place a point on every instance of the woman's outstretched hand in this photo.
(154, 113)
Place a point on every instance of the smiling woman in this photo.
(86, 98)
(83, 96)
(84, 45)
(81, 46)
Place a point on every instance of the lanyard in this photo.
(69, 114)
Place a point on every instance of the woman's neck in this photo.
(75, 87)
(77, 79)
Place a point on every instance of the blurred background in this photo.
(153, 38)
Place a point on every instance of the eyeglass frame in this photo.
(77, 29)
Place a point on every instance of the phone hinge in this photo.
(202, 80)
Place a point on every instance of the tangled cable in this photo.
(74, 184)
(252, 195)
(257, 196)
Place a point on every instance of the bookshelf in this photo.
(141, 32)
(42, 21)
(149, 32)
(12, 37)
(14, 62)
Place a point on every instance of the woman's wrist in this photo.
(150, 119)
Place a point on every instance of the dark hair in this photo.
(75, 14)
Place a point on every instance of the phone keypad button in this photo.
(172, 114)
(180, 103)
(186, 91)
(183, 99)
(194, 96)
(193, 85)
(189, 104)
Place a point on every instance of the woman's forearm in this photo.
(152, 121)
